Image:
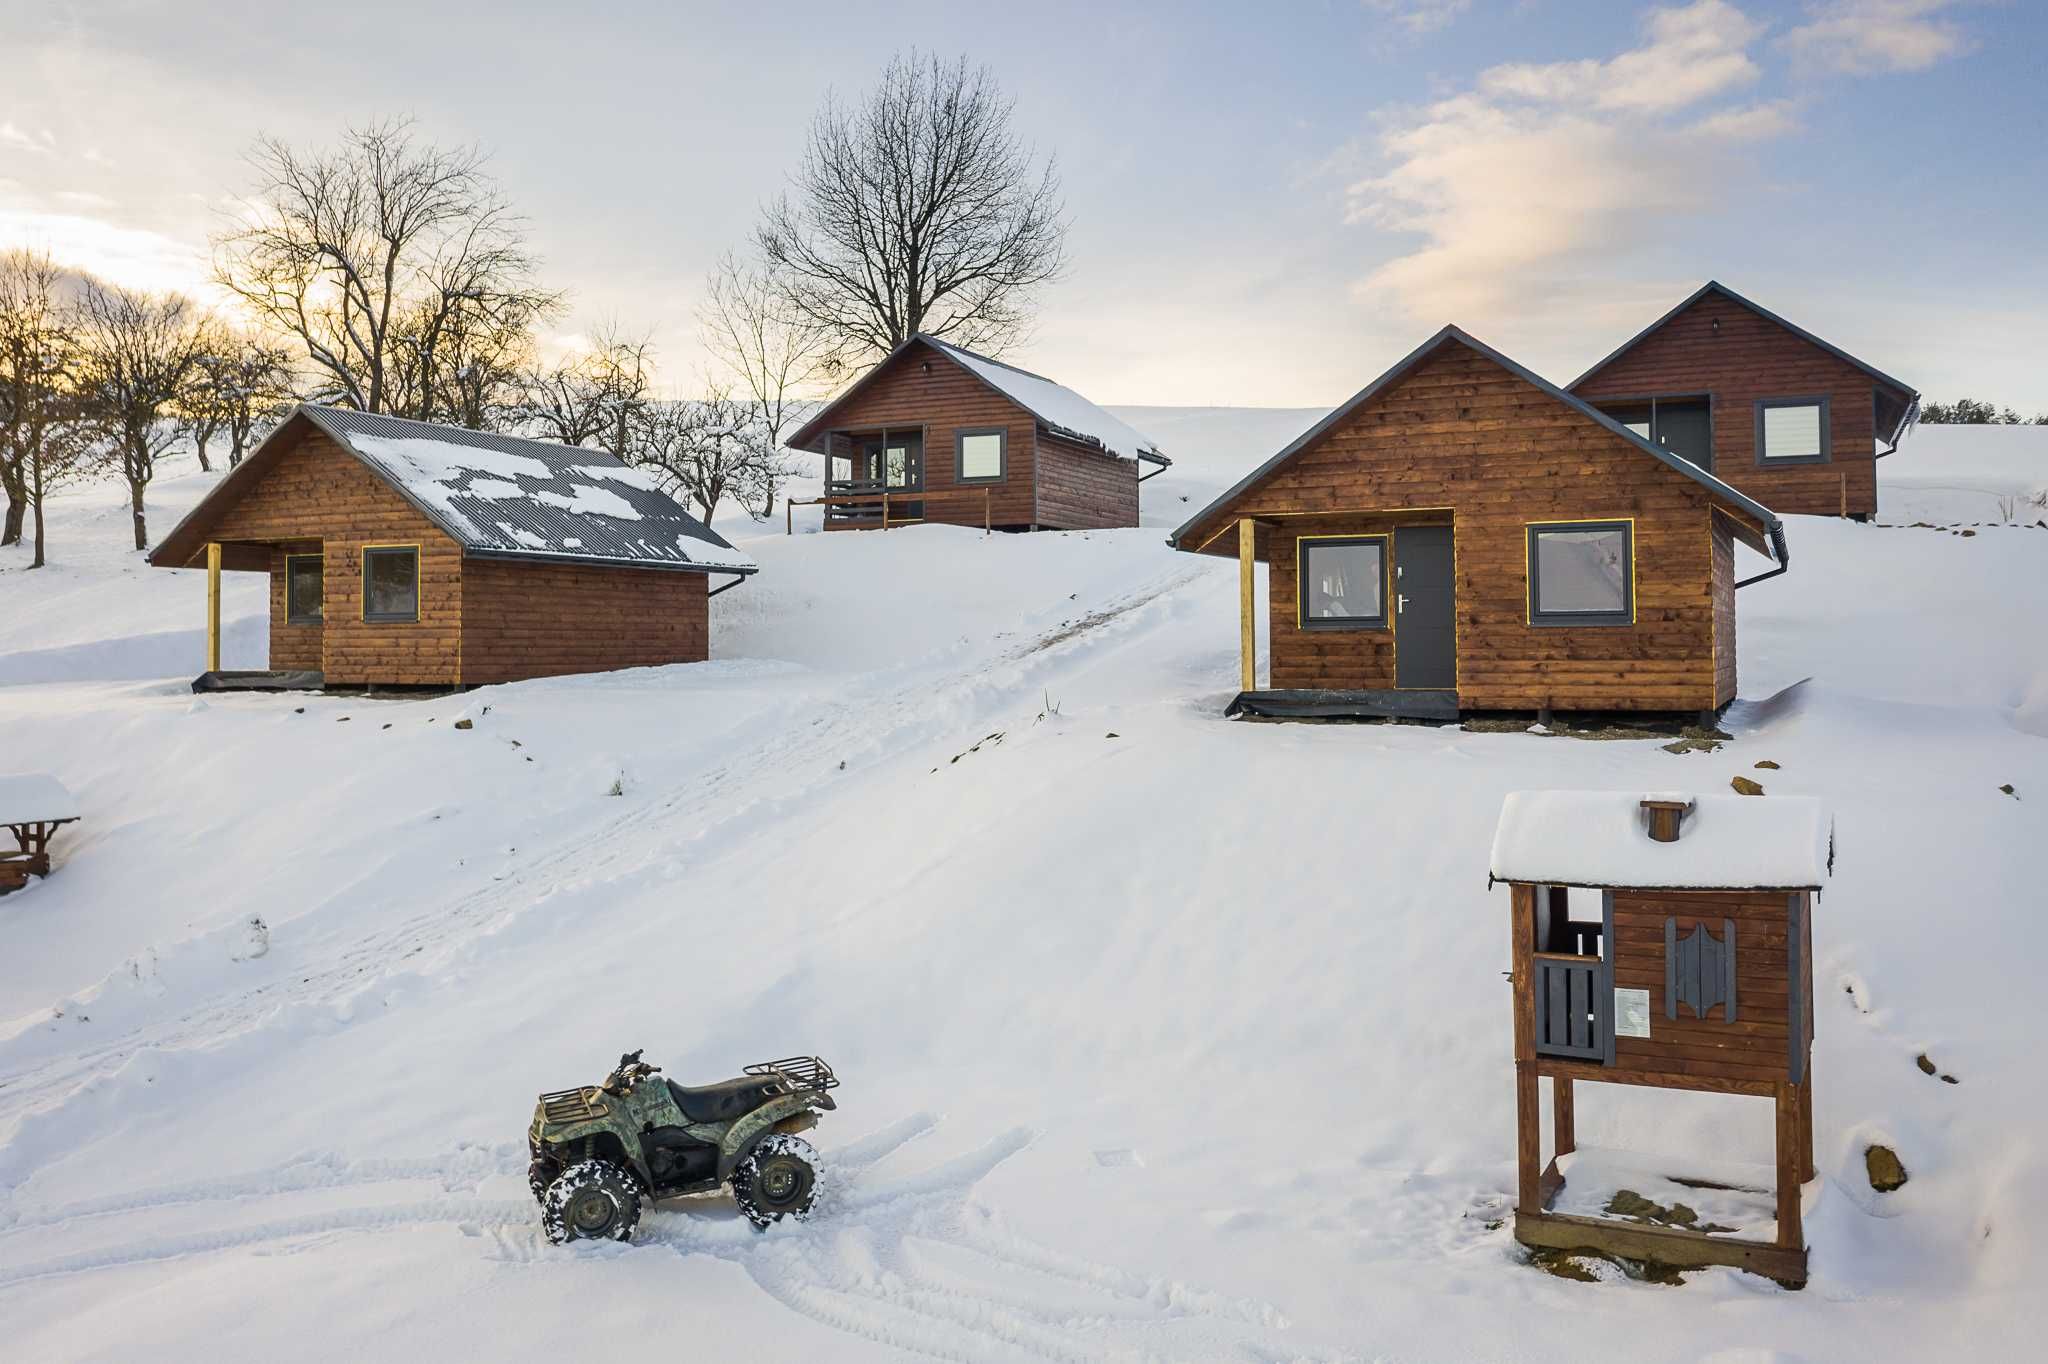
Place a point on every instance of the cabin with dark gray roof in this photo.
(937, 433)
(410, 554)
(1463, 535)
(1761, 403)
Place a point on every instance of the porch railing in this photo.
(882, 507)
(1574, 1015)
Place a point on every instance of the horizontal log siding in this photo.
(1082, 488)
(1724, 611)
(1751, 358)
(317, 491)
(542, 620)
(1756, 1046)
(292, 647)
(1461, 433)
(943, 402)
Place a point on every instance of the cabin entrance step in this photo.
(259, 679)
(1318, 704)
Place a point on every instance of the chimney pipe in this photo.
(1665, 817)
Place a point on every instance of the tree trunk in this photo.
(37, 562)
(10, 532)
(135, 487)
(199, 445)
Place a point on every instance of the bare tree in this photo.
(772, 351)
(597, 396)
(239, 383)
(36, 352)
(710, 449)
(917, 210)
(138, 352)
(376, 257)
(73, 445)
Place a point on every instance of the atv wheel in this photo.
(542, 1171)
(591, 1200)
(778, 1179)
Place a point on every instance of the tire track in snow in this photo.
(862, 1266)
(804, 756)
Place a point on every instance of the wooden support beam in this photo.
(1528, 1141)
(1563, 1120)
(1247, 612)
(213, 606)
(1791, 1162)
(1806, 1125)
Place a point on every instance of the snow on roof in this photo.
(507, 496)
(1059, 407)
(1601, 838)
(33, 798)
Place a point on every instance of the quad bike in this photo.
(599, 1151)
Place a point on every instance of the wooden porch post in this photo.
(213, 606)
(1247, 625)
(1563, 1119)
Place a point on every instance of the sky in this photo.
(1269, 203)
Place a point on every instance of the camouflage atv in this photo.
(599, 1151)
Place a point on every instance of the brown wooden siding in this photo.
(317, 491)
(1083, 488)
(292, 647)
(921, 388)
(1460, 436)
(1757, 1046)
(1749, 358)
(1724, 611)
(542, 620)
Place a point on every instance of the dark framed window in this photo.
(1582, 573)
(1792, 430)
(1340, 582)
(981, 456)
(391, 583)
(1682, 423)
(305, 589)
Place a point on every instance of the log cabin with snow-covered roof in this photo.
(1759, 402)
(937, 433)
(1463, 535)
(410, 554)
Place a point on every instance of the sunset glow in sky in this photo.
(1268, 207)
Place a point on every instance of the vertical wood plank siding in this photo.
(1082, 488)
(1461, 439)
(1749, 358)
(944, 399)
(318, 492)
(544, 620)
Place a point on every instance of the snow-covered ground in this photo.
(1163, 1037)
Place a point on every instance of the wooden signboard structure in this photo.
(1697, 974)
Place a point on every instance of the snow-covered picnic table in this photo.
(32, 806)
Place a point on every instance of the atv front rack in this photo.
(798, 1072)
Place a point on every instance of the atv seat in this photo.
(724, 1101)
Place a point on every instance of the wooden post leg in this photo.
(1528, 1140)
(988, 521)
(788, 518)
(1791, 1234)
(213, 606)
(1563, 1121)
(1810, 1170)
(885, 511)
(1247, 622)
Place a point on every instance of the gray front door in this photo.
(1425, 627)
(1686, 430)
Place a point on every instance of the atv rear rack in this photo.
(798, 1072)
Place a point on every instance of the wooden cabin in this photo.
(1663, 940)
(1463, 535)
(936, 433)
(408, 554)
(1759, 402)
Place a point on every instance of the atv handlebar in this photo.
(630, 1071)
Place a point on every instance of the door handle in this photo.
(1400, 602)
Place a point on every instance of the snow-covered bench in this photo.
(32, 807)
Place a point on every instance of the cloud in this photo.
(1538, 179)
(1694, 53)
(1859, 37)
(1420, 16)
(15, 137)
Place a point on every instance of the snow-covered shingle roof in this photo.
(507, 497)
(1058, 407)
(1601, 838)
(33, 798)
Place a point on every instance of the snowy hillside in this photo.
(1163, 1037)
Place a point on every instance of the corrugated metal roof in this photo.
(507, 497)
